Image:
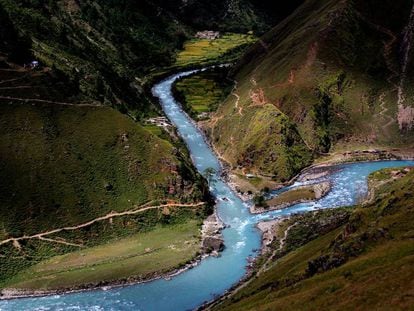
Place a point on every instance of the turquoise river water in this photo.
(212, 276)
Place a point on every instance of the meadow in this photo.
(137, 257)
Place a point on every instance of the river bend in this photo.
(213, 276)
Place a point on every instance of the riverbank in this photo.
(367, 155)
(274, 232)
(301, 194)
(322, 167)
(211, 244)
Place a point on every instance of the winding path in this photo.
(388, 46)
(42, 235)
(236, 104)
(383, 113)
(48, 102)
(212, 276)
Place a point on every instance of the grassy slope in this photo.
(63, 165)
(364, 264)
(138, 256)
(65, 157)
(324, 69)
(261, 139)
(73, 164)
(294, 195)
(101, 47)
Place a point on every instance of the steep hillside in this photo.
(77, 174)
(235, 15)
(337, 262)
(65, 162)
(101, 46)
(69, 161)
(330, 73)
(112, 48)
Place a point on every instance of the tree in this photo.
(260, 201)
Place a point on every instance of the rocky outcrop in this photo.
(212, 240)
(269, 232)
(321, 189)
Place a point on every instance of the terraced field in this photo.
(203, 92)
(204, 51)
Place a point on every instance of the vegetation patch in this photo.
(299, 195)
(226, 48)
(202, 93)
(342, 258)
(261, 140)
(66, 165)
(291, 196)
(137, 257)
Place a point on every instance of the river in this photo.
(213, 276)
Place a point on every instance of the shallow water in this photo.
(212, 276)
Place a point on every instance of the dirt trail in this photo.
(384, 115)
(41, 236)
(49, 102)
(236, 104)
(282, 242)
(14, 80)
(388, 46)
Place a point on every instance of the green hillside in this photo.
(67, 158)
(330, 74)
(363, 261)
(91, 194)
(79, 163)
(112, 49)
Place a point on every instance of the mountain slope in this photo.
(67, 158)
(365, 263)
(333, 70)
(65, 162)
(112, 48)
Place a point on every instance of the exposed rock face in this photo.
(211, 244)
(321, 189)
(211, 233)
(268, 229)
(405, 117)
